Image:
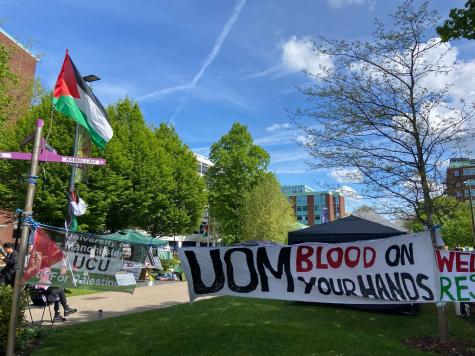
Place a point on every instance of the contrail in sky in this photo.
(208, 60)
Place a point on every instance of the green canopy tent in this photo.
(135, 237)
(137, 252)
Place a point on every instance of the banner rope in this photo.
(28, 219)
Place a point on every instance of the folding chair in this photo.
(40, 299)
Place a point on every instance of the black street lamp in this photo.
(91, 78)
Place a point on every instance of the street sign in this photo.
(51, 156)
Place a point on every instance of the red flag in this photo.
(45, 253)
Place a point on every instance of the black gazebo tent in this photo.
(348, 229)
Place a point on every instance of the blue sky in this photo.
(203, 64)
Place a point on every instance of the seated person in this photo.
(7, 275)
(44, 284)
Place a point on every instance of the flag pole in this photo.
(30, 194)
(72, 178)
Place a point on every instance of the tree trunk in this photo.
(443, 324)
(442, 319)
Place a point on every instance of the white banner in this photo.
(394, 270)
(457, 275)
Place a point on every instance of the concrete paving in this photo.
(161, 295)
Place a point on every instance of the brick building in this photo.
(23, 65)
(313, 208)
(7, 220)
(461, 178)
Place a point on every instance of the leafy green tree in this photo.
(455, 220)
(461, 23)
(266, 212)
(51, 198)
(7, 81)
(186, 196)
(239, 164)
(150, 180)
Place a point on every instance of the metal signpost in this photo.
(42, 152)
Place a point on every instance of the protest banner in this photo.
(457, 275)
(76, 260)
(393, 270)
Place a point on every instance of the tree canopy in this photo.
(378, 116)
(461, 23)
(7, 80)
(239, 165)
(150, 180)
(266, 212)
(455, 219)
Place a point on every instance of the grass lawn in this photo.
(241, 326)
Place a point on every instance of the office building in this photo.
(313, 208)
(461, 178)
(203, 163)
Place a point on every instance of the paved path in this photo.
(161, 295)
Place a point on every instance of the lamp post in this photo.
(469, 181)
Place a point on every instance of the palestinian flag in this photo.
(74, 98)
(45, 253)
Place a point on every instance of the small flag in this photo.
(45, 253)
(71, 222)
(73, 98)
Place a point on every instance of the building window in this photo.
(457, 184)
(467, 192)
(469, 171)
(458, 194)
(456, 173)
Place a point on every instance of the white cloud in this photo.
(264, 73)
(208, 60)
(349, 192)
(304, 140)
(278, 127)
(460, 78)
(338, 4)
(343, 3)
(346, 175)
(298, 55)
(288, 156)
(279, 138)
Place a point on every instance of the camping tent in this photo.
(135, 237)
(366, 226)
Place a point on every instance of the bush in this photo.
(24, 332)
